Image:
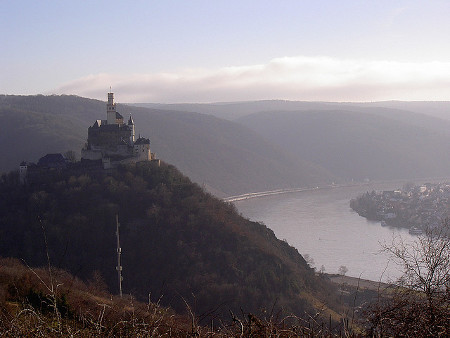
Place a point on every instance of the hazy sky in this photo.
(207, 51)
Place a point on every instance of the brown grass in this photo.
(38, 302)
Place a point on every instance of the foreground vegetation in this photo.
(50, 302)
(419, 305)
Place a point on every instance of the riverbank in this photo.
(321, 224)
(355, 282)
(285, 191)
(400, 182)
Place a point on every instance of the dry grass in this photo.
(39, 302)
(46, 302)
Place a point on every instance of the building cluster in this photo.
(110, 142)
(113, 141)
(413, 206)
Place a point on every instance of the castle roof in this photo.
(142, 140)
(118, 116)
(130, 120)
(52, 160)
(97, 123)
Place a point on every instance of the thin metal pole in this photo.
(119, 251)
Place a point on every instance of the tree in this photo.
(71, 156)
(420, 303)
(342, 270)
(309, 260)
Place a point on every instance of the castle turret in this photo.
(111, 109)
(142, 149)
(23, 172)
(131, 126)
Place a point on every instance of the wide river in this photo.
(321, 224)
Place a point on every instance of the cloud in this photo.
(289, 78)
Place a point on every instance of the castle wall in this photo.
(142, 152)
(89, 154)
(109, 136)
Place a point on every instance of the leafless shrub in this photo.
(419, 305)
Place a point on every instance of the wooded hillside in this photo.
(178, 242)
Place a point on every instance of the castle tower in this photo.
(131, 126)
(111, 109)
(142, 149)
(23, 172)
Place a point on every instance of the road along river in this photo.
(321, 224)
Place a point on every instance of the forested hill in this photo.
(378, 144)
(178, 242)
(225, 156)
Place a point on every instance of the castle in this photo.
(113, 141)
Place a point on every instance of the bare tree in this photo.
(342, 270)
(309, 260)
(71, 156)
(322, 269)
(420, 303)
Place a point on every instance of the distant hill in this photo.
(178, 243)
(226, 157)
(262, 145)
(236, 110)
(439, 109)
(36, 125)
(375, 143)
(375, 140)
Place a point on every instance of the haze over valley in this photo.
(261, 150)
(224, 169)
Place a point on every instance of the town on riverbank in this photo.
(414, 206)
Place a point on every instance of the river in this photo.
(321, 224)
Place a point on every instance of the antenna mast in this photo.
(119, 252)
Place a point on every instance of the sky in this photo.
(215, 51)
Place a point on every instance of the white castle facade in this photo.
(113, 141)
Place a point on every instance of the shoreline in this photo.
(250, 195)
(356, 282)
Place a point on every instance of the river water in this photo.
(321, 224)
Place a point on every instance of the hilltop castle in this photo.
(113, 141)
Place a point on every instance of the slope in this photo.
(178, 242)
(375, 144)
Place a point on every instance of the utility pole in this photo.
(119, 251)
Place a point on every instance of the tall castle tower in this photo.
(111, 109)
(131, 126)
